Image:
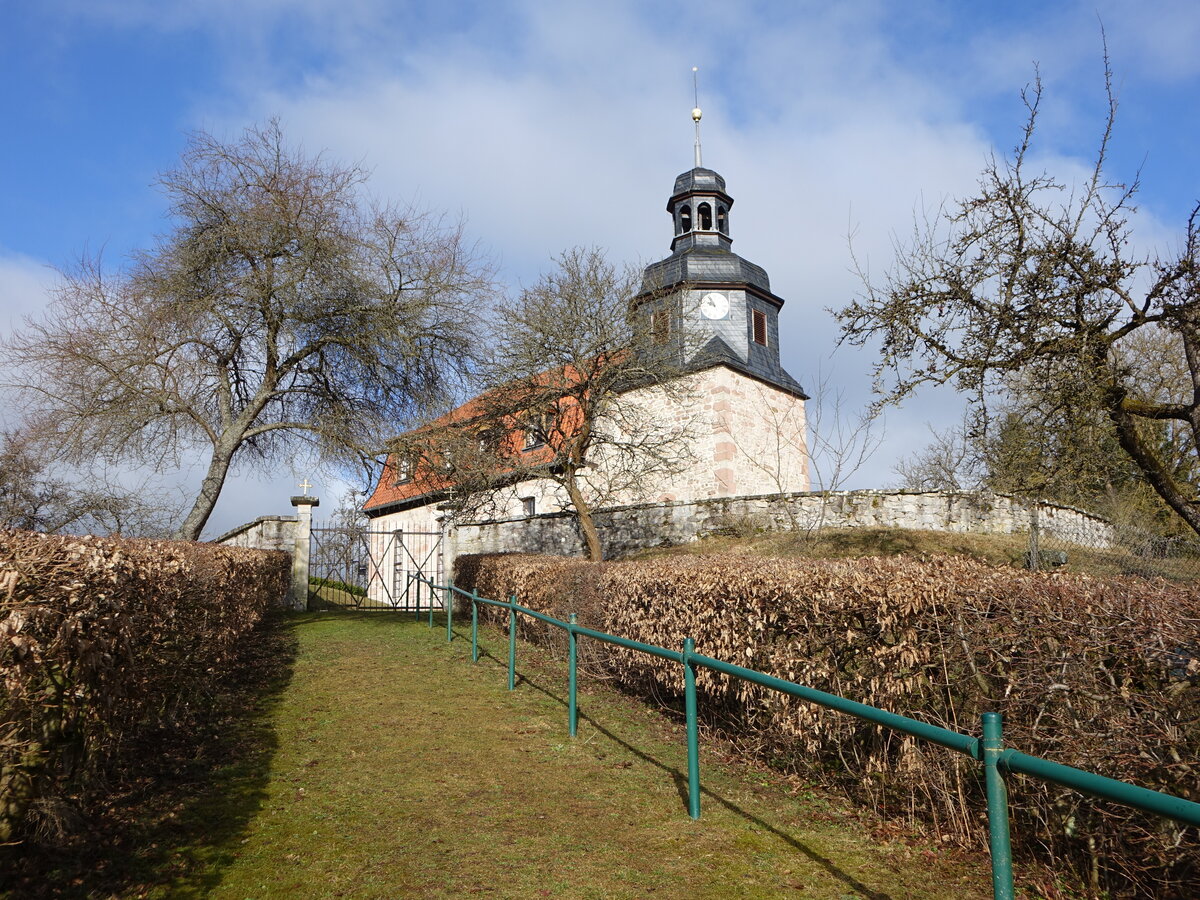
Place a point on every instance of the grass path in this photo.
(360, 755)
(402, 770)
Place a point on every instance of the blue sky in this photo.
(552, 124)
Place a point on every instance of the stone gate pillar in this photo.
(304, 506)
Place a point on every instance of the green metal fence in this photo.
(989, 750)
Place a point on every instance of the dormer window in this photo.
(536, 430)
(704, 212)
(404, 470)
(685, 219)
(489, 441)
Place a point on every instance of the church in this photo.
(748, 434)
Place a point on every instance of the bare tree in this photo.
(280, 309)
(33, 497)
(1047, 439)
(1032, 276)
(576, 392)
(841, 441)
(950, 462)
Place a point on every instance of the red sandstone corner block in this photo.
(726, 482)
(724, 451)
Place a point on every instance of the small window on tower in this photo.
(660, 326)
(722, 220)
(704, 211)
(760, 327)
(685, 219)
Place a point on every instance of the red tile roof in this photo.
(428, 481)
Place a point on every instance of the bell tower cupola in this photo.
(714, 305)
(699, 205)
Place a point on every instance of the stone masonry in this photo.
(627, 528)
(264, 533)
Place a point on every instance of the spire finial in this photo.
(696, 113)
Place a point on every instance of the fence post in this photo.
(1035, 549)
(449, 604)
(572, 708)
(693, 735)
(430, 603)
(997, 804)
(474, 626)
(512, 642)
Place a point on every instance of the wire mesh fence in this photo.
(1110, 549)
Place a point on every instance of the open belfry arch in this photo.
(745, 413)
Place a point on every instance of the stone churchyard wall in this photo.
(264, 533)
(627, 528)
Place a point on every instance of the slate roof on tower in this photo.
(707, 266)
(702, 260)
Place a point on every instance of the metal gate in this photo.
(355, 568)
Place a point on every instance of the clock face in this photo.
(714, 306)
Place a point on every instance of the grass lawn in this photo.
(994, 549)
(383, 763)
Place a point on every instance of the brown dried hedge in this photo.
(1101, 674)
(103, 641)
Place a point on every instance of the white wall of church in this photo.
(749, 439)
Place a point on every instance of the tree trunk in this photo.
(210, 490)
(587, 524)
(1156, 474)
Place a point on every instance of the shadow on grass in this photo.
(681, 785)
(174, 817)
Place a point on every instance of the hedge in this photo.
(103, 641)
(1098, 673)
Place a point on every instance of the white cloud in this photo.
(548, 125)
(579, 141)
(1162, 36)
(25, 285)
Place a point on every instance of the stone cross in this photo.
(305, 486)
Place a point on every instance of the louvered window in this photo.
(760, 328)
(660, 326)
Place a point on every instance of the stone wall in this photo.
(264, 533)
(627, 528)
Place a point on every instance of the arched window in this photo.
(704, 213)
(685, 219)
(722, 220)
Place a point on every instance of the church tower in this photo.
(715, 306)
